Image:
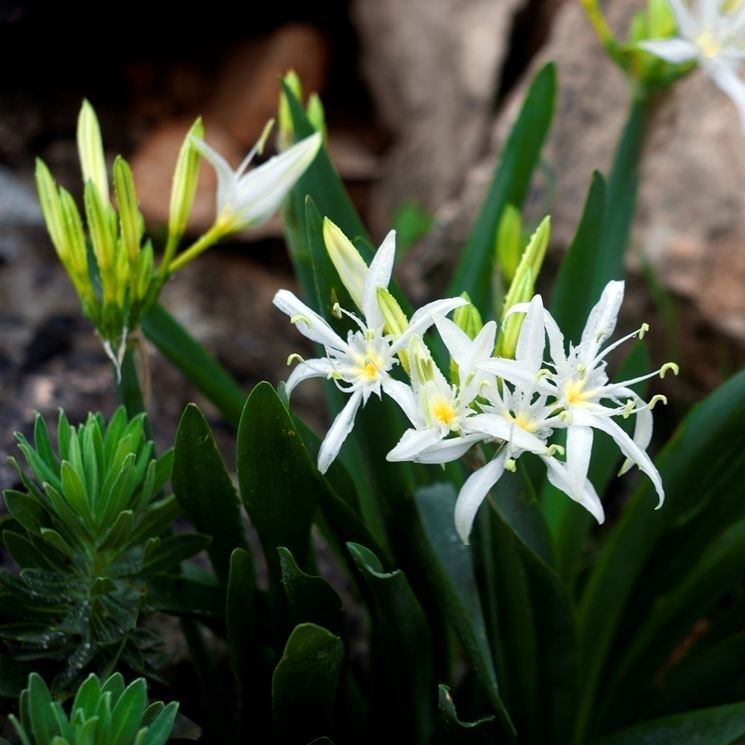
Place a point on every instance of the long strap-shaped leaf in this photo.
(509, 185)
(706, 450)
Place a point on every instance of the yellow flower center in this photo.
(443, 412)
(524, 422)
(574, 392)
(709, 45)
(370, 371)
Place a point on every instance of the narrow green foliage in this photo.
(86, 533)
(102, 713)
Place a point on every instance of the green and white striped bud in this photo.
(347, 260)
(90, 151)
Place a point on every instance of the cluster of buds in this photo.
(110, 261)
(502, 393)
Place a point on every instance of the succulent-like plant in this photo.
(102, 713)
(88, 531)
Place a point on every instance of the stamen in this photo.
(510, 465)
(555, 450)
(336, 310)
(300, 317)
(542, 373)
(643, 330)
(293, 357)
(672, 366)
(628, 409)
(658, 398)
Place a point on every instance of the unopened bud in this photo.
(349, 264)
(90, 151)
(184, 187)
(509, 242)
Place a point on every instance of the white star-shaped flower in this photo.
(713, 38)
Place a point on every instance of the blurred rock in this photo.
(242, 98)
(691, 219)
(433, 67)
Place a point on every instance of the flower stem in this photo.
(211, 237)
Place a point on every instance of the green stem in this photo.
(128, 387)
(168, 254)
(211, 237)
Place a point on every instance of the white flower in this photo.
(581, 385)
(523, 417)
(712, 37)
(361, 364)
(250, 198)
(437, 409)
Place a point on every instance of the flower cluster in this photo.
(510, 405)
(711, 33)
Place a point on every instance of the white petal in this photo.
(378, 275)
(676, 51)
(456, 340)
(578, 452)
(482, 346)
(261, 191)
(474, 492)
(341, 427)
(448, 450)
(403, 396)
(308, 322)
(627, 446)
(555, 341)
(413, 442)
(688, 25)
(643, 425)
(726, 78)
(503, 429)
(226, 178)
(425, 317)
(586, 496)
(532, 339)
(316, 368)
(602, 319)
(516, 373)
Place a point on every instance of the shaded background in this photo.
(419, 96)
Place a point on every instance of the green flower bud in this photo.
(509, 242)
(130, 219)
(90, 151)
(185, 178)
(317, 115)
(286, 130)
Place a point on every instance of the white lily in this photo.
(523, 417)
(247, 199)
(714, 38)
(581, 385)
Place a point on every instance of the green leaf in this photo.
(703, 462)
(310, 598)
(575, 289)
(171, 551)
(404, 646)
(279, 484)
(454, 730)
(186, 597)
(160, 730)
(41, 718)
(86, 699)
(510, 182)
(240, 616)
(536, 644)
(24, 552)
(305, 680)
(127, 714)
(200, 368)
(204, 490)
(720, 725)
(673, 615)
(452, 569)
